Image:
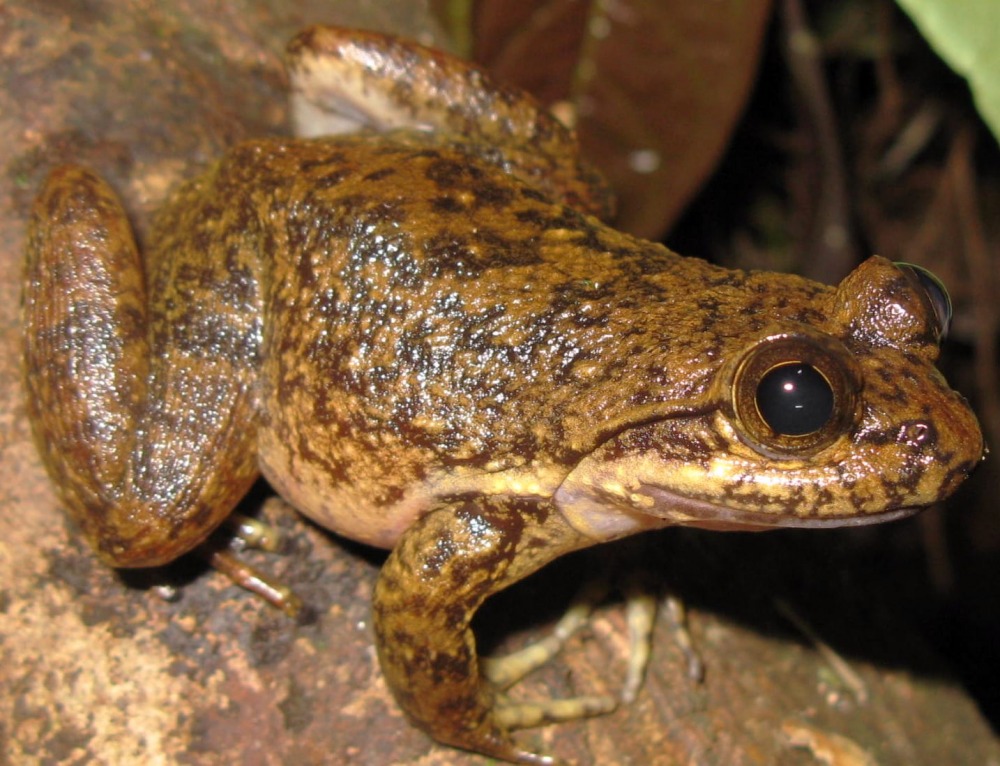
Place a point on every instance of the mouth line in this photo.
(703, 514)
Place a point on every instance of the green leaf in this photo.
(964, 33)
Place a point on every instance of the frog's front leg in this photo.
(441, 571)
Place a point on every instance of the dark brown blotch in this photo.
(452, 174)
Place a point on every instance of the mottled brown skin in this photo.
(346, 79)
(426, 351)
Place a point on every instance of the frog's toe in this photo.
(504, 672)
(526, 715)
(677, 615)
(252, 579)
(640, 615)
(249, 532)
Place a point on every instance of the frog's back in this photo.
(423, 308)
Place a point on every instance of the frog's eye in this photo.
(794, 394)
(794, 399)
(934, 290)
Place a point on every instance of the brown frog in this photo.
(424, 338)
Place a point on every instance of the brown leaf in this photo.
(657, 86)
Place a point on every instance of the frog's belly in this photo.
(348, 513)
(350, 497)
(374, 496)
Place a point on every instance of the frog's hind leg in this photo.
(349, 80)
(142, 424)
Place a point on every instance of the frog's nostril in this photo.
(917, 433)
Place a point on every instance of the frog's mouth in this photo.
(696, 472)
(650, 507)
(675, 509)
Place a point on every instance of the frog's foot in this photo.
(640, 615)
(504, 672)
(252, 533)
(349, 80)
(252, 579)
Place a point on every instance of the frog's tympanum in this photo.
(419, 330)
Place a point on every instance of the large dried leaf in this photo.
(657, 85)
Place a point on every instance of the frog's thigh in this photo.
(143, 423)
(441, 571)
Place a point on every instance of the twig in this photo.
(982, 277)
(830, 244)
(844, 671)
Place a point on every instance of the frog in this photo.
(414, 319)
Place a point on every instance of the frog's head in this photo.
(844, 421)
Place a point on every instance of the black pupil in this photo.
(794, 399)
